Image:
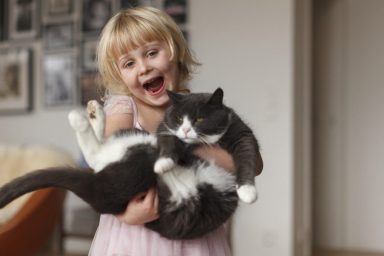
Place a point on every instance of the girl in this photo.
(142, 53)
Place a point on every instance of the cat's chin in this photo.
(190, 140)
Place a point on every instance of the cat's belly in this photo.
(184, 183)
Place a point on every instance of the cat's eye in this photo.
(199, 120)
(179, 119)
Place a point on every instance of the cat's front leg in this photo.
(96, 118)
(170, 150)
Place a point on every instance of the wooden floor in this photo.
(319, 252)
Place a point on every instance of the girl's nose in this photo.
(144, 67)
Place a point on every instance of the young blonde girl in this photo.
(142, 53)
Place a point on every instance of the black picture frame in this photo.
(90, 88)
(16, 80)
(2, 20)
(177, 9)
(58, 35)
(23, 19)
(60, 83)
(95, 14)
(58, 7)
(89, 55)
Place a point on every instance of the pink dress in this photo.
(114, 238)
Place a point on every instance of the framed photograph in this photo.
(60, 87)
(23, 19)
(177, 9)
(2, 21)
(59, 36)
(95, 14)
(90, 89)
(15, 80)
(58, 7)
(133, 3)
(89, 56)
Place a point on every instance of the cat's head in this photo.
(197, 118)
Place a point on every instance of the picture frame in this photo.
(2, 20)
(90, 89)
(89, 56)
(58, 7)
(16, 79)
(60, 83)
(58, 35)
(95, 14)
(23, 19)
(124, 4)
(177, 9)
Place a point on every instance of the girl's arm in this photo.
(223, 158)
(143, 207)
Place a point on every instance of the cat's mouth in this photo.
(155, 86)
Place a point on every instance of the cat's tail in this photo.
(78, 181)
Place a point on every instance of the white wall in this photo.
(246, 47)
(349, 145)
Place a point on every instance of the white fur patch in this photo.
(183, 182)
(115, 147)
(78, 120)
(163, 164)
(247, 193)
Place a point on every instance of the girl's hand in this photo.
(141, 209)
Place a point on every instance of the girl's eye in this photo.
(128, 64)
(152, 53)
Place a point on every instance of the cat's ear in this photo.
(174, 97)
(217, 97)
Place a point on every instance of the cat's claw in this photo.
(94, 109)
(78, 120)
(163, 164)
(247, 193)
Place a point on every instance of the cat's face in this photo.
(197, 118)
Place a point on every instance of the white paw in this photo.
(247, 193)
(78, 120)
(94, 110)
(163, 164)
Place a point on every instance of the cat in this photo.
(195, 196)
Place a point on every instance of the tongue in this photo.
(155, 85)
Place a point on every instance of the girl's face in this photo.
(147, 72)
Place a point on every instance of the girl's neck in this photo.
(149, 117)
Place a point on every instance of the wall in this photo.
(349, 148)
(246, 47)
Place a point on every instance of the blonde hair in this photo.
(132, 28)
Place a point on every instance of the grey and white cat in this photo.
(195, 196)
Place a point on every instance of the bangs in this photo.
(129, 37)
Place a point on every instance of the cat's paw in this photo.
(247, 193)
(94, 110)
(163, 164)
(78, 120)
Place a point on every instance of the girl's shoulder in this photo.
(118, 104)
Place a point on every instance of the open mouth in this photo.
(155, 86)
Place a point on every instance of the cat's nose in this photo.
(186, 130)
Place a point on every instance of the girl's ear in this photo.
(174, 97)
(217, 97)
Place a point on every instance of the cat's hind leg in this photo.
(96, 118)
(86, 137)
